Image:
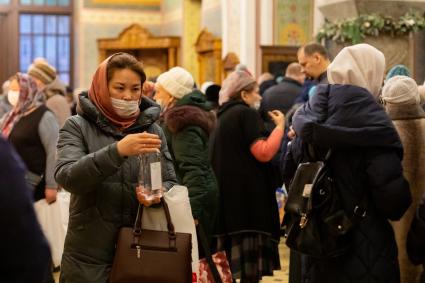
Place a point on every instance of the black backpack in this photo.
(316, 222)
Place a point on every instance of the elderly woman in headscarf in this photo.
(401, 101)
(33, 130)
(249, 230)
(365, 164)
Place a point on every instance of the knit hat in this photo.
(206, 85)
(398, 70)
(361, 65)
(177, 81)
(234, 83)
(42, 70)
(400, 90)
(212, 93)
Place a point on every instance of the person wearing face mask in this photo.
(97, 162)
(188, 122)
(4, 102)
(33, 131)
(249, 218)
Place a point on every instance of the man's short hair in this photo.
(293, 70)
(311, 48)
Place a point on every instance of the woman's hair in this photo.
(125, 61)
(248, 88)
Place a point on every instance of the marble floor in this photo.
(280, 276)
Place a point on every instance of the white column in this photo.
(248, 34)
(224, 27)
(266, 22)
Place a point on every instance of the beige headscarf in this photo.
(361, 65)
(400, 90)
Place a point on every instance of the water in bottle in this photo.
(150, 175)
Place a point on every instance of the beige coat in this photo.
(409, 121)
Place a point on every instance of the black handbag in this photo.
(152, 256)
(317, 223)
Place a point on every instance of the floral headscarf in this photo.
(29, 98)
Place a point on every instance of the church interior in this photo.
(208, 38)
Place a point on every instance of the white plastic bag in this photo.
(177, 199)
(53, 220)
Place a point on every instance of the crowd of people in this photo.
(232, 146)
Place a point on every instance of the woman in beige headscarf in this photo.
(365, 166)
(401, 99)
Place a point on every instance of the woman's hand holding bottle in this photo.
(146, 198)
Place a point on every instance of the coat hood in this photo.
(191, 110)
(149, 113)
(345, 116)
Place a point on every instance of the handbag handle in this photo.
(137, 229)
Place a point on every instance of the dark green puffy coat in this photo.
(102, 186)
(187, 127)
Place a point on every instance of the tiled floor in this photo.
(280, 276)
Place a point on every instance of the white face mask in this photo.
(13, 97)
(125, 108)
(256, 105)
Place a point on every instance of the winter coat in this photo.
(102, 186)
(56, 101)
(24, 253)
(409, 121)
(247, 189)
(365, 161)
(416, 238)
(279, 97)
(187, 128)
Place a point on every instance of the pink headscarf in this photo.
(234, 83)
(29, 97)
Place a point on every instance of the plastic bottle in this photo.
(150, 175)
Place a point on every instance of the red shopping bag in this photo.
(221, 264)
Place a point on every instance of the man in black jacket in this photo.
(282, 96)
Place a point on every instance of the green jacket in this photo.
(102, 186)
(187, 127)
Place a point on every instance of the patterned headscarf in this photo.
(29, 98)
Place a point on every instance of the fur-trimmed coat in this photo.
(409, 121)
(187, 127)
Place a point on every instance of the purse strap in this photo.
(137, 229)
